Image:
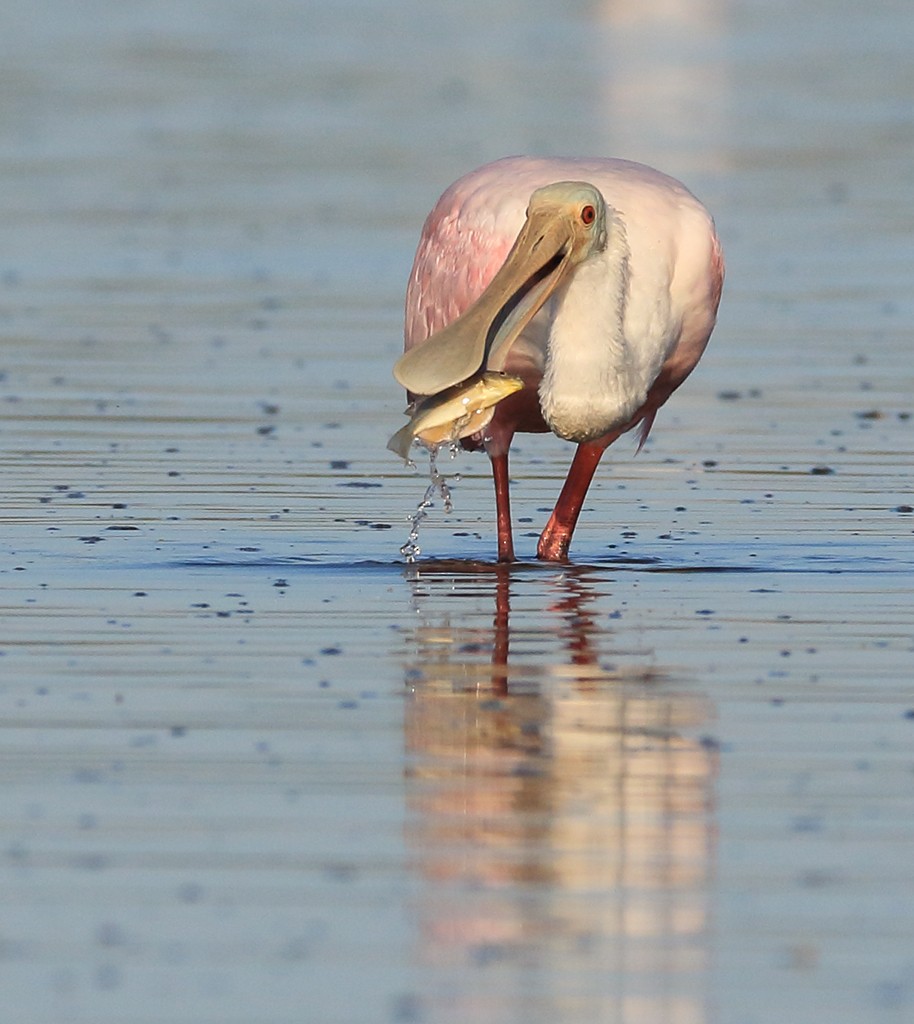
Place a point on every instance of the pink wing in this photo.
(460, 250)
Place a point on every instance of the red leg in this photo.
(556, 538)
(503, 508)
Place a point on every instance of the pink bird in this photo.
(596, 282)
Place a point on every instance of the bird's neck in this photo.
(591, 381)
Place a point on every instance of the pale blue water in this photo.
(255, 768)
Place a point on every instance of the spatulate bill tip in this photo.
(440, 362)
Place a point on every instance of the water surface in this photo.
(255, 767)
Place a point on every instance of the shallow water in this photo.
(255, 767)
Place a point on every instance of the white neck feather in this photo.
(592, 382)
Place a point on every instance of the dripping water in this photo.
(438, 487)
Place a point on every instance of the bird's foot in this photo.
(506, 549)
(553, 545)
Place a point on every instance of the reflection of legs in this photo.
(502, 508)
(501, 634)
(556, 538)
(578, 627)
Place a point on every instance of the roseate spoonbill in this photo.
(595, 281)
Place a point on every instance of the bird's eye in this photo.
(588, 214)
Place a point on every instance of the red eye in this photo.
(588, 214)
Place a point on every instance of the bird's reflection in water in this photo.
(560, 804)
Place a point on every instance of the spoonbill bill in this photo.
(595, 282)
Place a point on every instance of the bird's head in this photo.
(566, 220)
(564, 226)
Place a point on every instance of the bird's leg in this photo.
(502, 507)
(556, 538)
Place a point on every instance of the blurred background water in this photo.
(255, 768)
